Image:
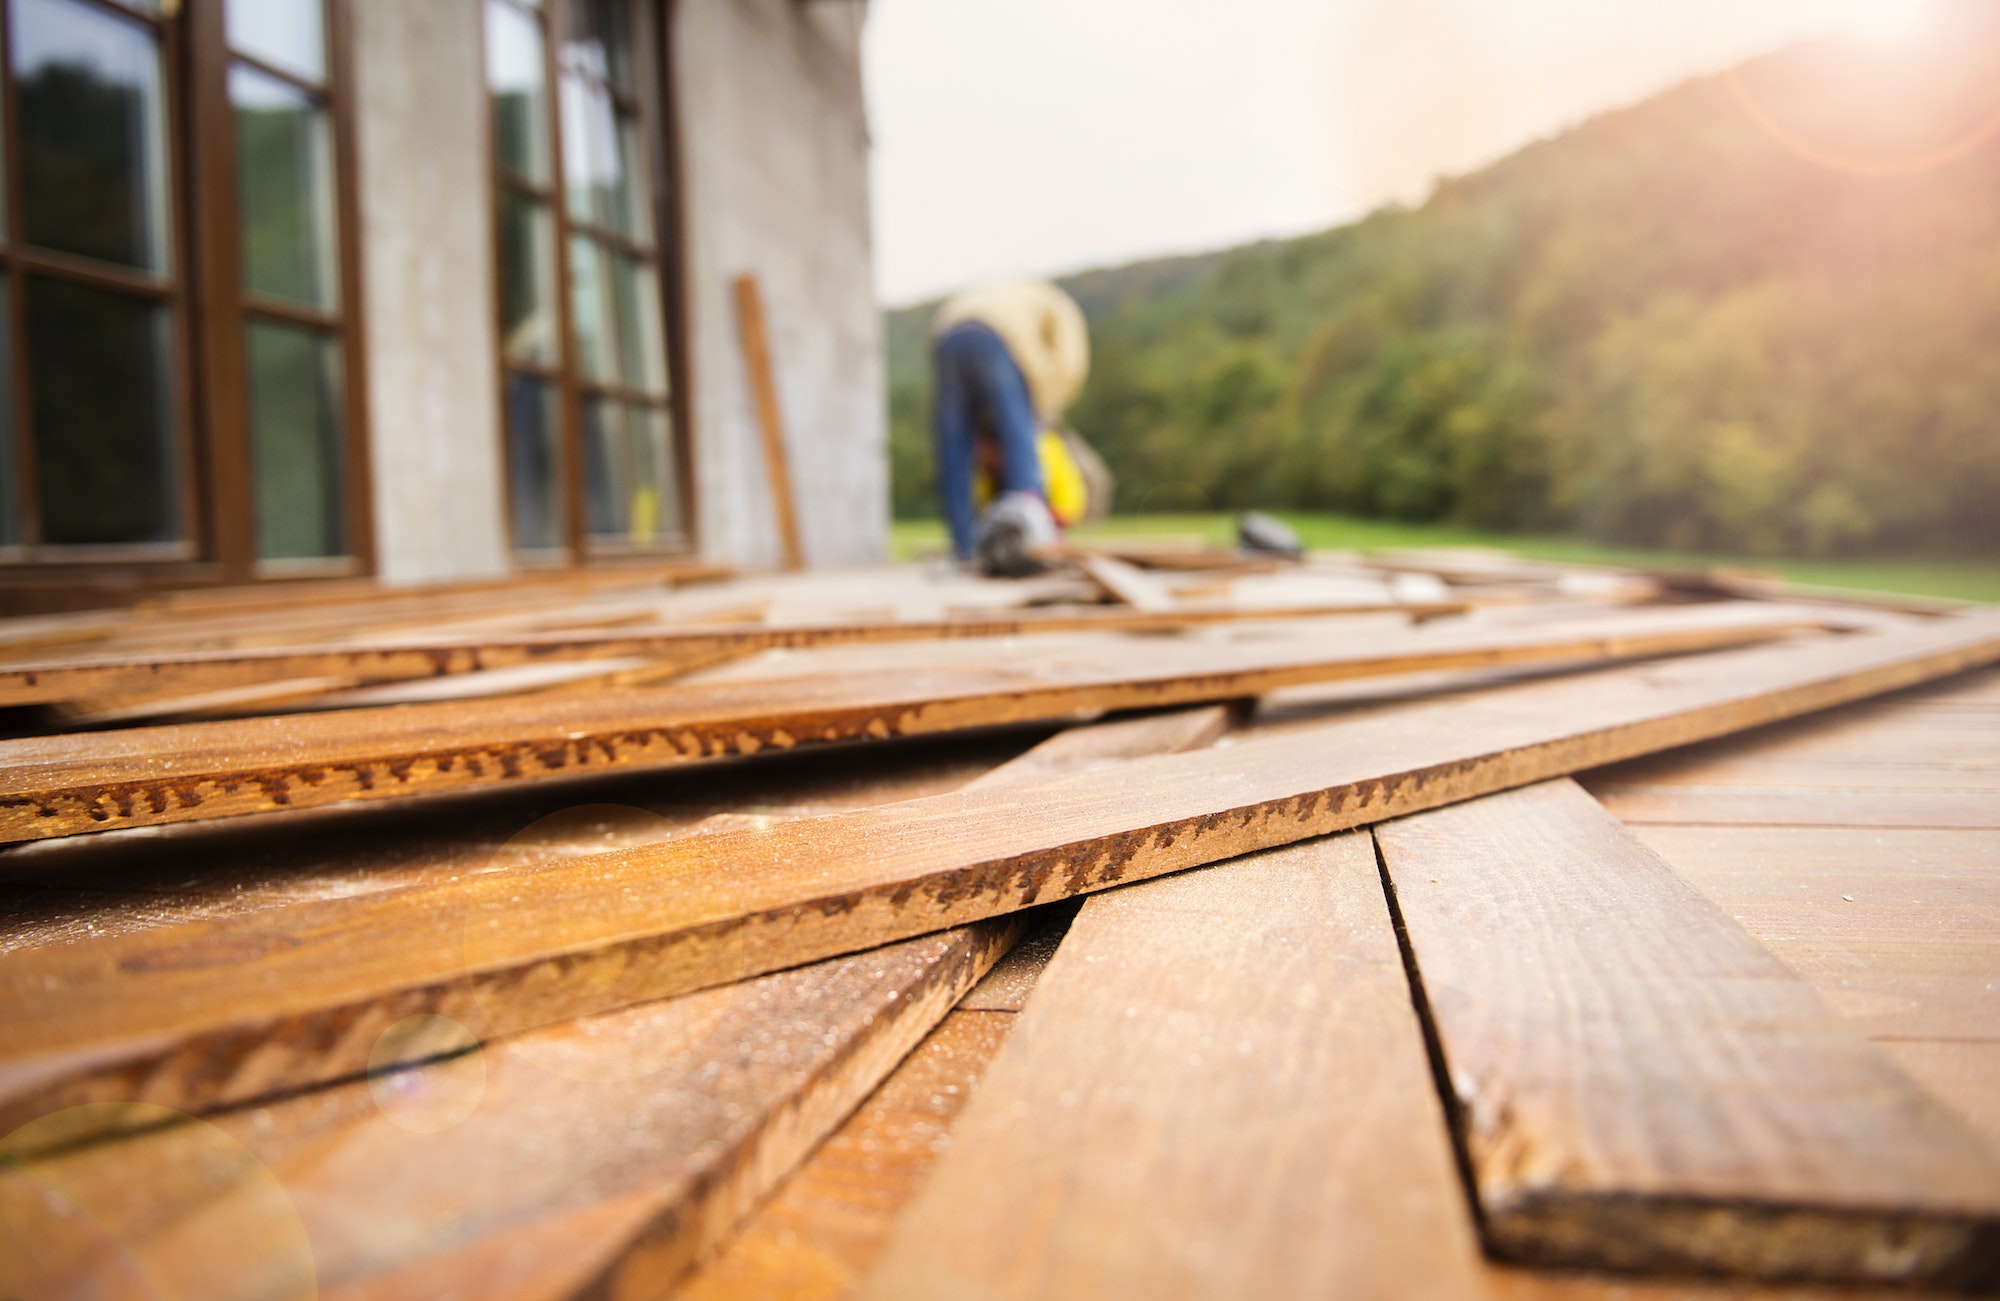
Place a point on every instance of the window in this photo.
(593, 460)
(176, 374)
(289, 300)
(92, 287)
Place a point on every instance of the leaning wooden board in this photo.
(1639, 1085)
(600, 932)
(55, 786)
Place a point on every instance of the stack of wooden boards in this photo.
(1180, 925)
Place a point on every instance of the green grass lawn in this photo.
(1969, 580)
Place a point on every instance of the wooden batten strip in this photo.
(1216, 1074)
(1640, 1086)
(589, 934)
(56, 786)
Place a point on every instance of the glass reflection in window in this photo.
(92, 132)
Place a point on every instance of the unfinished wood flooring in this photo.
(1159, 1124)
(54, 786)
(664, 919)
(440, 1054)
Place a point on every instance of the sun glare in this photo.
(1888, 22)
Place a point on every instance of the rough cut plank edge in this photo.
(891, 879)
(1652, 1235)
(1621, 993)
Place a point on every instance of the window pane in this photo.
(93, 140)
(527, 279)
(642, 343)
(105, 467)
(590, 149)
(599, 41)
(630, 202)
(287, 34)
(656, 502)
(295, 442)
(604, 167)
(607, 468)
(284, 176)
(535, 461)
(516, 77)
(590, 308)
(629, 473)
(10, 487)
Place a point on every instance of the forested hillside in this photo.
(1758, 313)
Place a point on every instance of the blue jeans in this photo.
(979, 390)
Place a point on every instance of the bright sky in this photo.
(1043, 136)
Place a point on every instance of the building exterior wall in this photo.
(773, 136)
(426, 208)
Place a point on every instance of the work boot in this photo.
(1017, 536)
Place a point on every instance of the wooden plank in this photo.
(1202, 1100)
(1800, 806)
(577, 1157)
(1639, 1085)
(718, 1094)
(1127, 583)
(1082, 749)
(817, 1238)
(1962, 1073)
(49, 680)
(190, 1079)
(1899, 930)
(770, 416)
(57, 786)
(607, 930)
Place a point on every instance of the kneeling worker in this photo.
(1007, 359)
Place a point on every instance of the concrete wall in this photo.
(774, 141)
(426, 218)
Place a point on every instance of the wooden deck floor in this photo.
(1862, 846)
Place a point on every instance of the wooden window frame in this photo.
(667, 258)
(211, 311)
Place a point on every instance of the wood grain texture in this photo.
(770, 415)
(257, 901)
(1801, 806)
(55, 786)
(604, 931)
(1899, 929)
(587, 1158)
(827, 1225)
(1079, 750)
(1640, 1085)
(1202, 1099)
